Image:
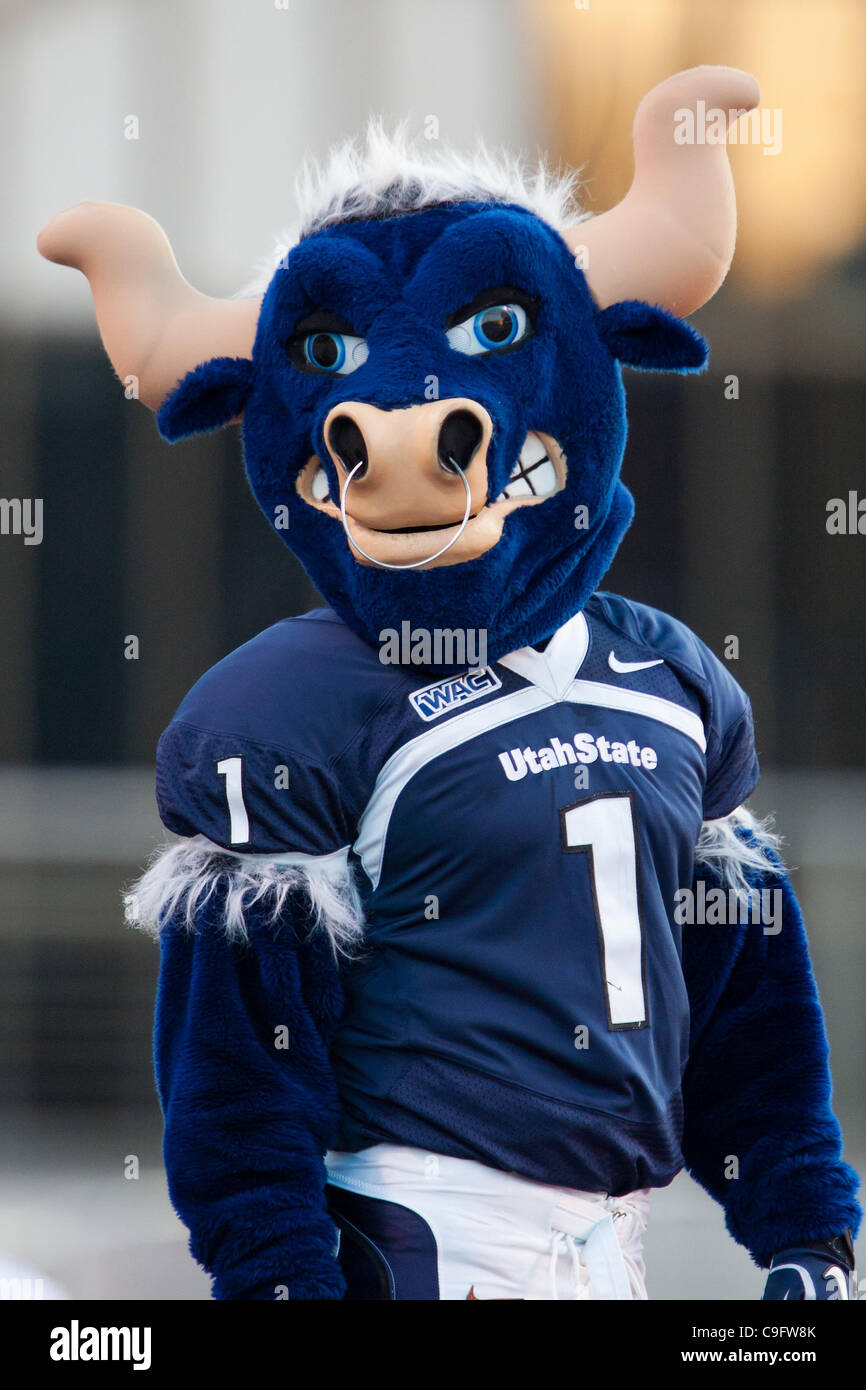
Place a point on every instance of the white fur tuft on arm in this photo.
(182, 878)
(723, 846)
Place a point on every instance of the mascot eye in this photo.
(325, 343)
(493, 329)
(339, 353)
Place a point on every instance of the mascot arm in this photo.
(760, 1134)
(248, 997)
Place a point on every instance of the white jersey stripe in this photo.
(401, 767)
(333, 863)
(637, 702)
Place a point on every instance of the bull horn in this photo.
(671, 239)
(154, 325)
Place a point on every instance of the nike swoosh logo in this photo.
(625, 668)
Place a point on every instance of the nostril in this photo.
(347, 442)
(459, 437)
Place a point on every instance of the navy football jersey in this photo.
(518, 835)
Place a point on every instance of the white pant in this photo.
(502, 1236)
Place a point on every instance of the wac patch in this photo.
(444, 696)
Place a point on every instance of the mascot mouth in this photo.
(539, 472)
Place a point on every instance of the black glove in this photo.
(820, 1270)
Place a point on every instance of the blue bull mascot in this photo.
(463, 942)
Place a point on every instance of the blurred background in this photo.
(200, 113)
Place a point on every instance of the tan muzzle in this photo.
(406, 463)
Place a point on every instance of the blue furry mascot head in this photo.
(430, 387)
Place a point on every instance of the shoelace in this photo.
(622, 1211)
(561, 1241)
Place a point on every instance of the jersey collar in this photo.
(555, 668)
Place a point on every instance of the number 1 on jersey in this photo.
(603, 828)
(239, 824)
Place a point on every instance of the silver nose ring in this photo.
(416, 564)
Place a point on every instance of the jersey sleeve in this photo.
(248, 796)
(732, 760)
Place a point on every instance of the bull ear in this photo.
(207, 398)
(651, 339)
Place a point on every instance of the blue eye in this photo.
(336, 353)
(492, 329)
(325, 350)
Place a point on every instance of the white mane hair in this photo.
(388, 174)
(181, 878)
(722, 847)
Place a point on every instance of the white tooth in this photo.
(544, 479)
(520, 488)
(319, 486)
(532, 450)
